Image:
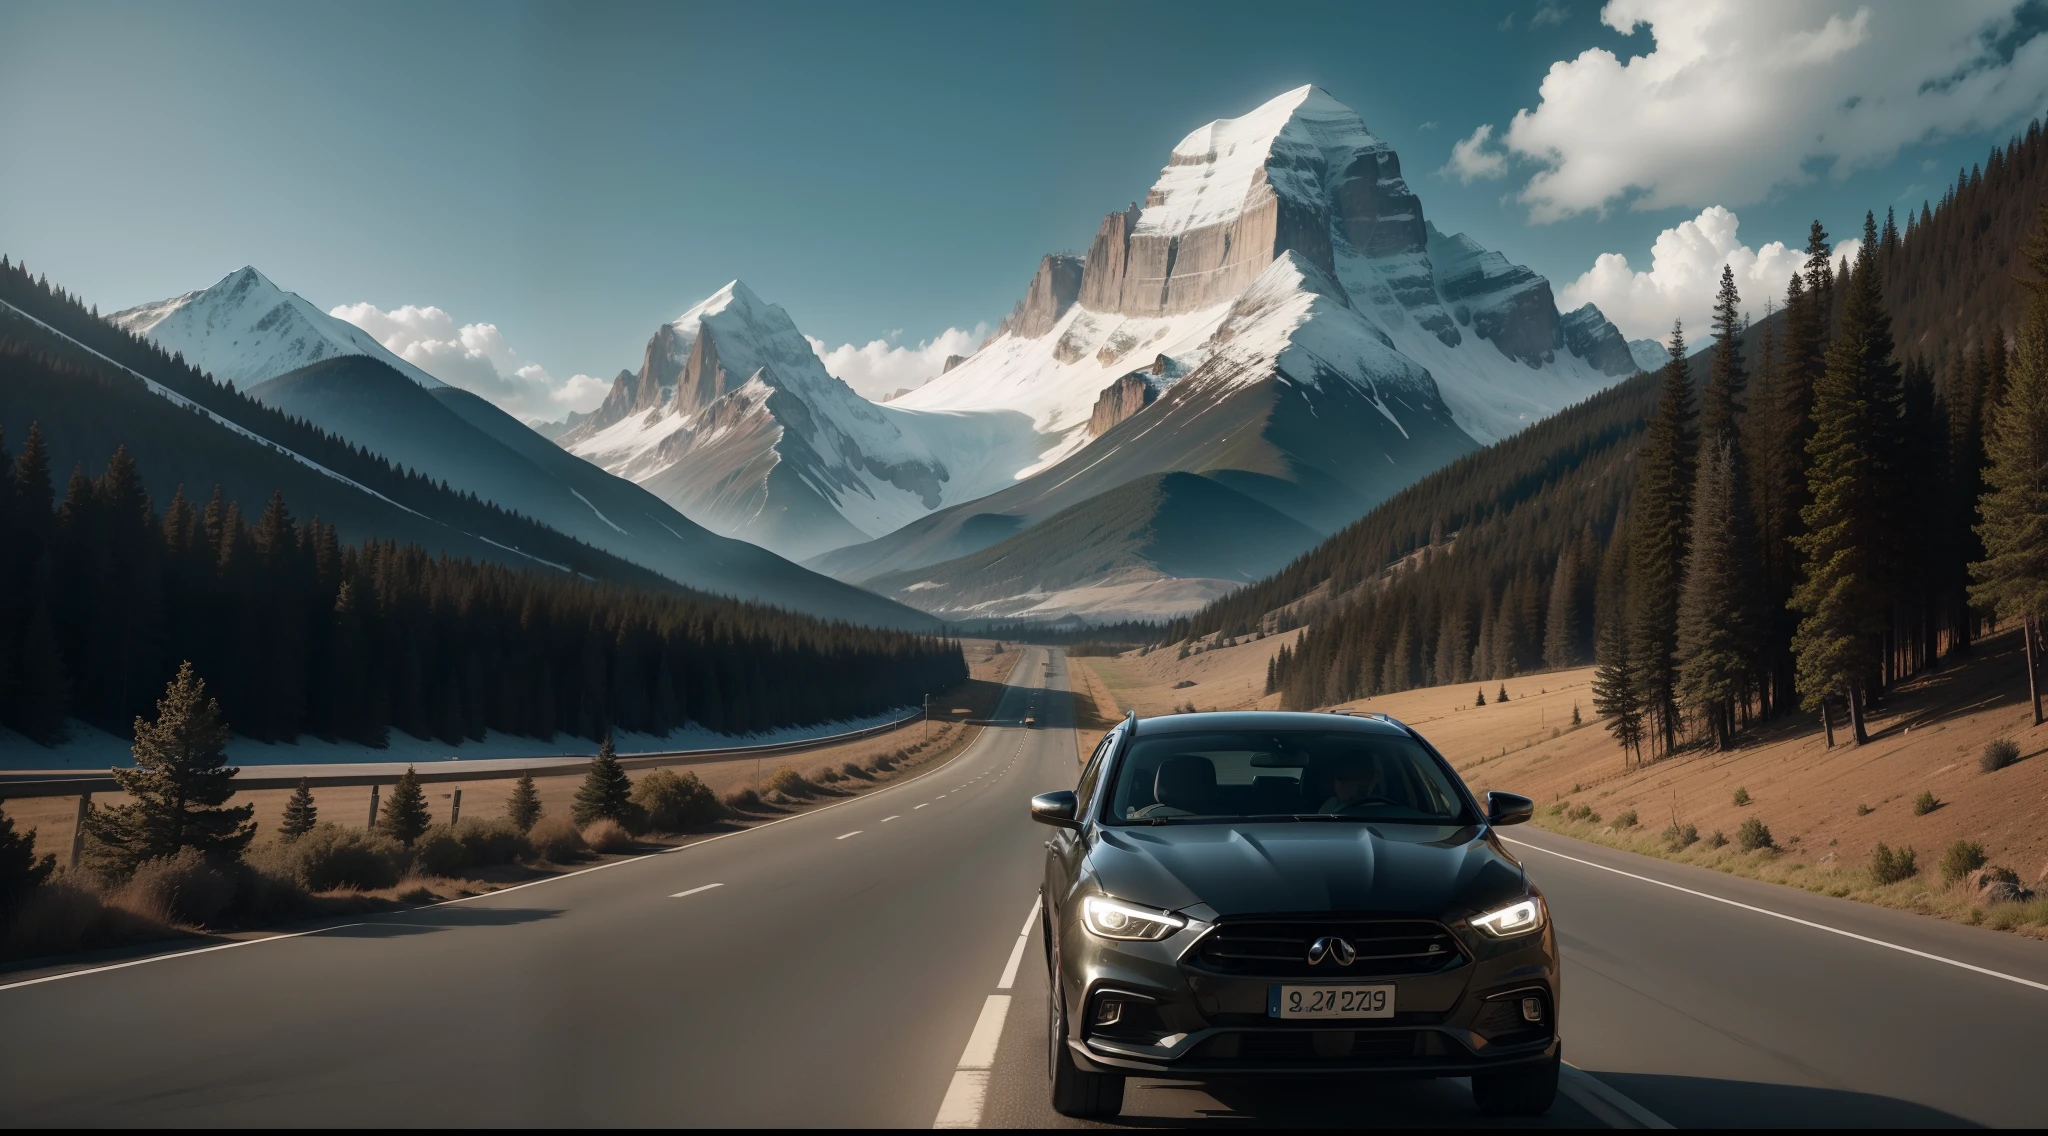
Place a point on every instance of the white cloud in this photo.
(1471, 160)
(1685, 274)
(879, 367)
(475, 357)
(1547, 15)
(1735, 99)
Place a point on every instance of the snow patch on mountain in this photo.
(246, 329)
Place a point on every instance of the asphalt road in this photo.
(863, 965)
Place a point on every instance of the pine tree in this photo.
(1480, 698)
(404, 816)
(1847, 595)
(606, 790)
(21, 871)
(1560, 625)
(180, 784)
(522, 806)
(1615, 696)
(2012, 579)
(300, 814)
(1716, 644)
(1658, 533)
(1727, 378)
(1502, 696)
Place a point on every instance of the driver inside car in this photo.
(1356, 780)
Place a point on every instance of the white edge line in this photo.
(179, 954)
(1031, 917)
(1604, 1100)
(501, 891)
(1016, 959)
(988, 1031)
(695, 890)
(1794, 919)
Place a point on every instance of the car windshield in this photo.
(1298, 775)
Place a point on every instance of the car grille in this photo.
(1278, 948)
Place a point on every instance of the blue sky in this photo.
(574, 174)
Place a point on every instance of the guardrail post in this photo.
(78, 829)
(455, 810)
(373, 808)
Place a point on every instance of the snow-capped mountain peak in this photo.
(1291, 143)
(246, 329)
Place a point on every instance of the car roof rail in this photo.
(1390, 720)
(1131, 718)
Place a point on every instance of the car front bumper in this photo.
(1181, 1020)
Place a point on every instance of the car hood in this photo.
(1305, 867)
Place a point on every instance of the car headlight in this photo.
(1115, 919)
(1517, 918)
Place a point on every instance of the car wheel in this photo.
(1523, 1093)
(1074, 1092)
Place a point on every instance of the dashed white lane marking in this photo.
(844, 835)
(1794, 919)
(898, 816)
(920, 806)
(695, 890)
(1017, 952)
(969, 1088)
(940, 797)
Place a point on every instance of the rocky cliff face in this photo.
(1054, 288)
(1589, 336)
(1124, 398)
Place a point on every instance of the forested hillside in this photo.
(1795, 505)
(103, 593)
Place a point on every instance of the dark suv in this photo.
(1260, 894)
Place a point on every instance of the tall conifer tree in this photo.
(1716, 644)
(606, 792)
(1850, 583)
(1658, 531)
(2012, 579)
(180, 784)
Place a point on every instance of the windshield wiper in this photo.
(1327, 816)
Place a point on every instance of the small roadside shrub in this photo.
(746, 800)
(522, 805)
(1741, 796)
(438, 853)
(558, 839)
(1753, 835)
(404, 816)
(487, 842)
(827, 775)
(266, 892)
(1925, 803)
(183, 886)
(854, 772)
(1717, 840)
(790, 783)
(1626, 820)
(1582, 812)
(607, 835)
(886, 763)
(300, 815)
(1889, 866)
(1961, 858)
(673, 802)
(1864, 810)
(332, 857)
(606, 792)
(1998, 754)
(66, 914)
(1682, 836)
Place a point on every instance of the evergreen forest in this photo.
(103, 593)
(1821, 502)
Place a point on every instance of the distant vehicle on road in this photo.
(1262, 894)
(1030, 723)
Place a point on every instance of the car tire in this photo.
(1075, 1092)
(1527, 1092)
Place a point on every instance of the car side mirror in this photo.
(1508, 808)
(1056, 809)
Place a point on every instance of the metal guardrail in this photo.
(431, 772)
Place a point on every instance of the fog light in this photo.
(1108, 1013)
(1532, 1009)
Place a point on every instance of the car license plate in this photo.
(1330, 1002)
